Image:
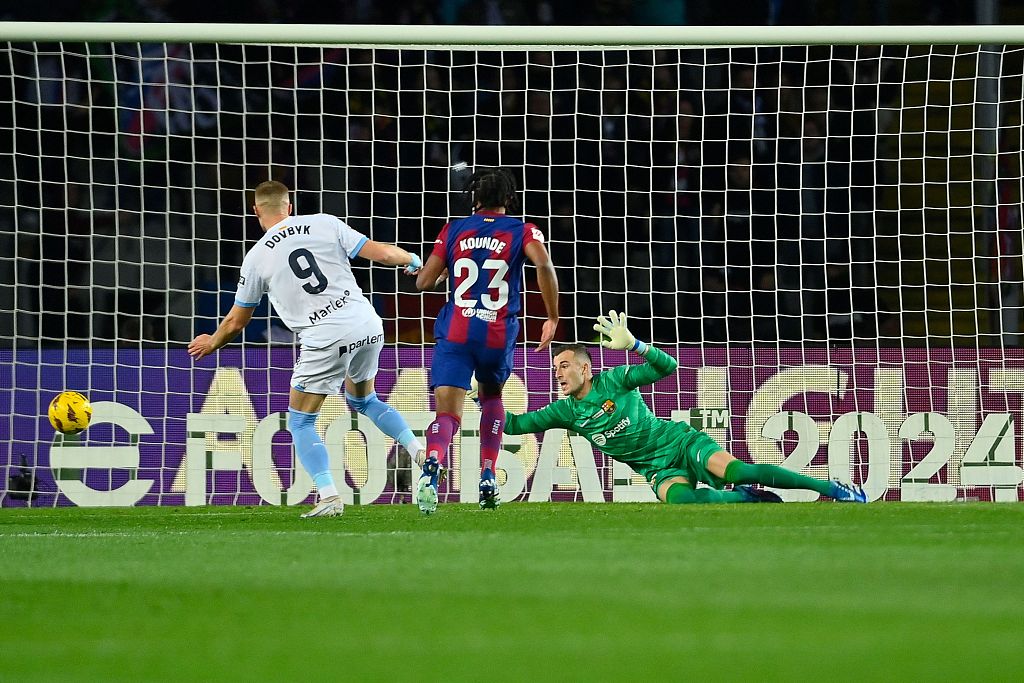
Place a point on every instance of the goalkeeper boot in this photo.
(327, 507)
(757, 495)
(847, 493)
(488, 491)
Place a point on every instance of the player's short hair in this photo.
(579, 350)
(271, 193)
(490, 188)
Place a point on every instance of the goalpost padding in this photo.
(729, 188)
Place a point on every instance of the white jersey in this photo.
(302, 264)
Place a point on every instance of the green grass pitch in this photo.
(530, 592)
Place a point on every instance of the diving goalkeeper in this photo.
(608, 410)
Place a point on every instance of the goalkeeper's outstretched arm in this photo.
(550, 416)
(659, 364)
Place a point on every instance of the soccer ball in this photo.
(70, 412)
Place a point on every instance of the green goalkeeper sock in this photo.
(684, 493)
(739, 472)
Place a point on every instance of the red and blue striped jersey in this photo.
(484, 254)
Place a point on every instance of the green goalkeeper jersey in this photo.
(614, 417)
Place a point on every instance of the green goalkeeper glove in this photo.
(619, 337)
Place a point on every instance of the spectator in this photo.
(856, 315)
(739, 260)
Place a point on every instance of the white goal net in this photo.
(827, 237)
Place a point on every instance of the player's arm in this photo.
(234, 322)
(389, 255)
(540, 258)
(659, 364)
(435, 270)
(432, 274)
(556, 414)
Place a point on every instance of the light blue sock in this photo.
(311, 450)
(387, 419)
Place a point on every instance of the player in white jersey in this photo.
(302, 264)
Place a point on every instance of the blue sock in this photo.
(387, 419)
(311, 450)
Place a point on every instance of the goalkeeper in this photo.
(608, 410)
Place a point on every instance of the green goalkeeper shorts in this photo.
(696, 448)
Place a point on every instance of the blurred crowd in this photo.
(526, 12)
(720, 195)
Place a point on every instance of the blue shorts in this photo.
(454, 364)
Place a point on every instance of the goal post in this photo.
(507, 37)
(822, 224)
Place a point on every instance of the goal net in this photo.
(827, 237)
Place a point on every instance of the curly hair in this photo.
(490, 188)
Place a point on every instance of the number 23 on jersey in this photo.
(466, 273)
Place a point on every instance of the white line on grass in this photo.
(164, 534)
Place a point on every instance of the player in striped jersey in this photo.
(482, 258)
(302, 264)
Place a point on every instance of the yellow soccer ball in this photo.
(70, 412)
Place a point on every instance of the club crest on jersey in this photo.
(607, 408)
